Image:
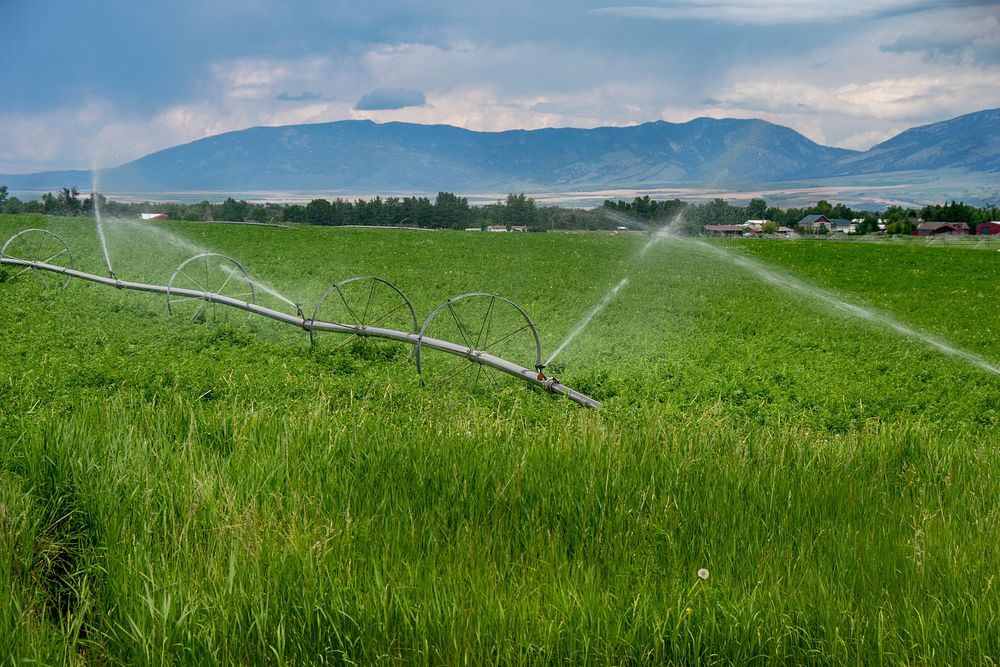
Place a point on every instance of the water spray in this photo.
(236, 291)
(664, 232)
(601, 305)
(789, 283)
(96, 199)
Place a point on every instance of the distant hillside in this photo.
(367, 157)
(970, 142)
(362, 156)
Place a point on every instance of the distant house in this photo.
(755, 225)
(941, 229)
(519, 228)
(496, 228)
(473, 229)
(726, 230)
(785, 231)
(153, 216)
(833, 225)
(991, 228)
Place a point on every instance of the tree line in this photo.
(450, 211)
(447, 211)
(690, 218)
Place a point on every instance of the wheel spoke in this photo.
(485, 327)
(461, 368)
(203, 289)
(226, 281)
(489, 373)
(39, 244)
(61, 252)
(461, 328)
(194, 318)
(368, 305)
(357, 321)
(350, 338)
(474, 377)
(507, 337)
(448, 373)
(382, 317)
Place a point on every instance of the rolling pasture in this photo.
(196, 493)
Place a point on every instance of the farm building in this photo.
(519, 228)
(496, 228)
(838, 225)
(725, 230)
(153, 216)
(991, 228)
(941, 229)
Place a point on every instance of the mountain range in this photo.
(360, 156)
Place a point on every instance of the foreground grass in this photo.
(345, 532)
(174, 493)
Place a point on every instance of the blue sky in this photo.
(107, 81)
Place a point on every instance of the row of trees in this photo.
(454, 212)
(447, 210)
(691, 218)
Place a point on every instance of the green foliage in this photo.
(192, 494)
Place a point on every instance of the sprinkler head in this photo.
(541, 376)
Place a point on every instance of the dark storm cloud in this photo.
(390, 98)
(148, 75)
(304, 96)
(950, 49)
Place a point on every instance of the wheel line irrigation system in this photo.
(36, 239)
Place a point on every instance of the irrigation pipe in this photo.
(531, 376)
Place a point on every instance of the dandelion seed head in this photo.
(703, 574)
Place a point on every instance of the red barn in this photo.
(988, 228)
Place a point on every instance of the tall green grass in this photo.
(175, 533)
(176, 493)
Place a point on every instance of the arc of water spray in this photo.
(789, 283)
(95, 198)
(586, 320)
(658, 236)
(192, 247)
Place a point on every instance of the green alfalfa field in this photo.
(200, 493)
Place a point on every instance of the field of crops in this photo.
(193, 493)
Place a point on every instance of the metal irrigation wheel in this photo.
(209, 275)
(364, 302)
(41, 246)
(481, 323)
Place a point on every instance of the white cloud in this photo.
(892, 99)
(33, 142)
(763, 12)
(845, 88)
(865, 140)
